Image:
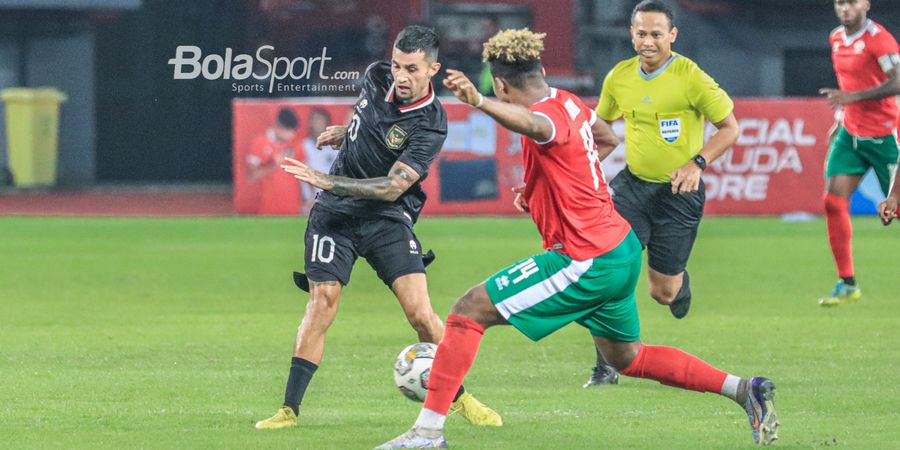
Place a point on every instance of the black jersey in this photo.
(381, 133)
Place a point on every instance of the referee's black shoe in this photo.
(682, 303)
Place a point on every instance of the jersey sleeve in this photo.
(707, 97)
(423, 147)
(607, 108)
(554, 112)
(884, 49)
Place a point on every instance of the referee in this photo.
(664, 99)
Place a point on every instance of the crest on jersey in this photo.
(670, 129)
(859, 46)
(395, 137)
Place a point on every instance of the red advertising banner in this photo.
(260, 186)
(776, 167)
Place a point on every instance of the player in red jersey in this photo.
(867, 63)
(592, 260)
(279, 191)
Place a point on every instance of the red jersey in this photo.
(279, 190)
(860, 61)
(565, 187)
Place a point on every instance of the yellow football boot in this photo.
(475, 412)
(284, 418)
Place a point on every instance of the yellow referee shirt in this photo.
(663, 113)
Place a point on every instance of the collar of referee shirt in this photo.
(655, 73)
(425, 101)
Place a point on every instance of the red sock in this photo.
(454, 357)
(674, 367)
(840, 231)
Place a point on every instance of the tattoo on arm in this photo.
(372, 188)
(401, 173)
(388, 188)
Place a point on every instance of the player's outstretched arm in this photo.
(388, 188)
(888, 88)
(512, 117)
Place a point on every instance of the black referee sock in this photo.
(849, 281)
(301, 372)
(459, 393)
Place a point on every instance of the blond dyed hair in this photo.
(514, 46)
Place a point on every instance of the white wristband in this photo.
(480, 101)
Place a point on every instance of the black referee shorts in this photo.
(334, 242)
(665, 223)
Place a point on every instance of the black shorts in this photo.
(334, 241)
(665, 223)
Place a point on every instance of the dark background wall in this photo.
(128, 121)
(151, 127)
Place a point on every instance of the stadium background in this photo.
(129, 123)
(175, 332)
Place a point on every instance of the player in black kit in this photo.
(370, 201)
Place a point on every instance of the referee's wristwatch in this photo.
(700, 161)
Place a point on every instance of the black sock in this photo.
(301, 372)
(849, 281)
(459, 393)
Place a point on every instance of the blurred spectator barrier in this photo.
(776, 167)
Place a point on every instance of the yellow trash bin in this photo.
(32, 130)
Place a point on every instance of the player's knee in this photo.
(322, 303)
(423, 321)
(620, 354)
(663, 294)
(835, 203)
(476, 305)
(467, 305)
(619, 362)
(622, 359)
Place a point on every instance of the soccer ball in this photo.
(412, 369)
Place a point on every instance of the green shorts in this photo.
(546, 292)
(852, 155)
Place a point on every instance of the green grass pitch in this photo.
(177, 333)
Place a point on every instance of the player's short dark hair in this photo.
(287, 118)
(657, 7)
(416, 38)
(515, 56)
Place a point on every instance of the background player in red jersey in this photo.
(867, 63)
(279, 191)
(592, 260)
